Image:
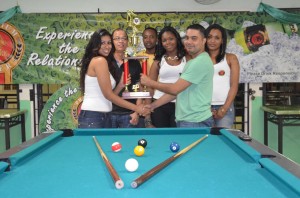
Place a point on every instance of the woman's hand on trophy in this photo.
(145, 80)
(121, 83)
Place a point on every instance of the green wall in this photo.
(291, 134)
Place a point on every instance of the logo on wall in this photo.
(12, 48)
(255, 37)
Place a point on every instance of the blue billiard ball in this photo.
(174, 147)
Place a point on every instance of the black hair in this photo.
(223, 46)
(91, 51)
(198, 27)
(160, 50)
(151, 28)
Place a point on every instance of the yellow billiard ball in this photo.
(139, 150)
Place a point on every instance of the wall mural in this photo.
(61, 110)
(47, 48)
(268, 50)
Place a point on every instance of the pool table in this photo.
(68, 164)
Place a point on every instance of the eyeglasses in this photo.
(120, 39)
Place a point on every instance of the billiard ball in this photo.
(131, 165)
(116, 147)
(174, 147)
(142, 142)
(139, 150)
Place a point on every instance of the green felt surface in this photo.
(220, 166)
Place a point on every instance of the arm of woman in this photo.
(120, 86)
(135, 115)
(101, 70)
(234, 83)
(153, 74)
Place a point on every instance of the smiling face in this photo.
(214, 40)
(120, 40)
(149, 39)
(169, 41)
(106, 45)
(194, 42)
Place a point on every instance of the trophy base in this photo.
(135, 95)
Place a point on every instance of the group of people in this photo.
(193, 80)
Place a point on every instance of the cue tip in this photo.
(119, 184)
(134, 184)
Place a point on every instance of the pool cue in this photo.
(143, 178)
(118, 181)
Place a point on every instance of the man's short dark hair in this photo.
(151, 28)
(198, 27)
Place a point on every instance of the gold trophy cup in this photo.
(132, 22)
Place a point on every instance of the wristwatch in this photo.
(148, 122)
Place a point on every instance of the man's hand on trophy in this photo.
(145, 80)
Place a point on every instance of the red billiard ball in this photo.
(139, 150)
(116, 147)
(142, 142)
(174, 147)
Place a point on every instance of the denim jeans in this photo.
(93, 119)
(121, 121)
(206, 123)
(228, 119)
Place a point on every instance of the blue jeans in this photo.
(206, 123)
(93, 119)
(228, 119)
(121, 121)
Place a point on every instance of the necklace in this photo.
(171, 58)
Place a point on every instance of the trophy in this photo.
(136, 88)
(132, 22)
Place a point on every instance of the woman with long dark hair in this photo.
(226, 76)
(97, 81)
(168, 64)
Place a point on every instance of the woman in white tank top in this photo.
(97, 83)
(168, 64)
(226, 76)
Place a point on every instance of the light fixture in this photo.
(207, 2)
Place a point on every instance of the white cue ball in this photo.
(131, 165)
